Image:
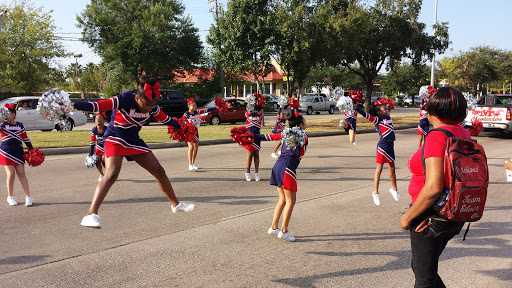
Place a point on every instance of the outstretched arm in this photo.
(368, 117)
(98, 106)
(268, 137)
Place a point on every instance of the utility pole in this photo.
(1, 20)
(219, 66)
(76, 65)
(432, 73)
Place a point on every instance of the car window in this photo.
(210, 104)
(505, 100)
(239, 103)
(306, 99)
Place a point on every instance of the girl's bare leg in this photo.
(279, 208)
(288, 209)
(277, 146)
(99, 163)
(248, 161)
(195, 147)
(376, 178)
(256, 161)
(20, 171)
(352, 135)
(420, 140)
(392, 175)
(112, 168)
(9, 169)
(190, 152)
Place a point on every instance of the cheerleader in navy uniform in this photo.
(97, 143)
(193, 115)
(379, 115)
(280, 125)
(131, 109)
(284, 177)
(423, 125)
(350, 125)
(253, 124)
(11, 154)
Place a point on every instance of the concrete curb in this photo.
(85, 149)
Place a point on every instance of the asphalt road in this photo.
(343, 239)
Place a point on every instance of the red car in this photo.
(236, 113)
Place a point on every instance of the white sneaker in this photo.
(286, 236)
(248, 176)
(274, 155)
(190, 167)
(257, 176)
(273, 232)
(28, 201)
(99, 178)
(194, 166)
(92, 220)
(355, 142)
(279, 152)
(395, 194)
(376, 199)
(182, 206)
(11, 200)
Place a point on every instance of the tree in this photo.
(149, 36)
(28, 47)
(244, 36)
(407, 79)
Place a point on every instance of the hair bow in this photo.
(102, 114)
(150, 89)
(297, 113)
(190, 100)
(10, 106)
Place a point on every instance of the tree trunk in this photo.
(369, 91)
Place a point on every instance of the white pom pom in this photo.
(90, 161)
(345, 105)
(293, 137)
(470, 99)
(338, 93)
(55, 105)
(424, 92)
(282, 102)
(251, 102)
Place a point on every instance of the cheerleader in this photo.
(280, 124)
(349, 124)
(193, 115)
(97, 144)
(379, 115)
(423, 125)
(253, 124)
(284, 177)
(11, 154)
(131, 109)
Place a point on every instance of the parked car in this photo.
(408, 100)
(236, 113)
(494, 111)
(174, 104)
(310, 103)
(32, 119)
(271, 100)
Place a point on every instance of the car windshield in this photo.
(7, 101)
(210, 104)
(307, 99)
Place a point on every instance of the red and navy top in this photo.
(11, 147)
(280, 123)
(97, 143)
(253, 120)
(383, 124)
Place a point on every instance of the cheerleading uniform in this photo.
(195, 115)
(122, 134)
(280, 123)
(423, 125)
(97, 143)
(351, 119)
(284, 171)
(11, 148)
(253, 124)
(386, 145)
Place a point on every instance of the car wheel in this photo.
(318, 112)
(66, 125)
(215, 120)
(309, 111)
(331, 110)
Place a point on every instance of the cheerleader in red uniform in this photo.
(280, 125)
(193, 115)
(97, 143)
(379, 115)
(131, 109)
(423, 125)
(253, 124)
(350, 125)
(11, 154)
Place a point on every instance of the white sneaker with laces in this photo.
(248, 177)
(28, 201)
(257, 176)
(376, 199)
(92, 221)
(195, 167)
(395, 194)
(190, 167)
(274, 155)
(99, 178)
(273, 232)
(286, 236)
(11, 200)
(182, 206)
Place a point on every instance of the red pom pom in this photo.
(34, 157)
(356, 96)
(431, 90)
(386, 101)
(187, 133)
(476, 127)
(221, 105)
(260, 102)
(242, 136)
(293, 103)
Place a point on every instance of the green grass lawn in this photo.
(158, 135)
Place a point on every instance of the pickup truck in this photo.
(315, 103)
(174, 104)
(494, 111)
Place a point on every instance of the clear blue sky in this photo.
(471, 22)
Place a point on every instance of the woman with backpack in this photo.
(430, 233)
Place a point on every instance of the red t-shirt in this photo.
(435, 145)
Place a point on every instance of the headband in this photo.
(150, 89)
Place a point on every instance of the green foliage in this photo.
(27, 49)
(406, 79)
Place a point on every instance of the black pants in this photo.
(427, 246)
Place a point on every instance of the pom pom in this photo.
(292, 137)
(345, 105)
(255, 102)
(470, 99)
(386, 101)
(356, 96)
(293, 103)
(90, 160)
(34, 157)
(4, 113)
(426, 92)
(55, 105)
(221, 105)
(338, 93)
(476, 127)
(282, 102)
(242, 136)
(187, 133)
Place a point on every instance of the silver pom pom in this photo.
(345, 105)
(424, 93)
(470, 99)
(282, 102)
(342, 121)
(293, 137)
(251, 102)
(4, 113)
(55, 105)
(338, 93)
(90, 161)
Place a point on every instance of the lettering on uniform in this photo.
(138, 114)
(8, 127)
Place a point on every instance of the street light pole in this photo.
(1, 20)
(76, 64)
(432, 73)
